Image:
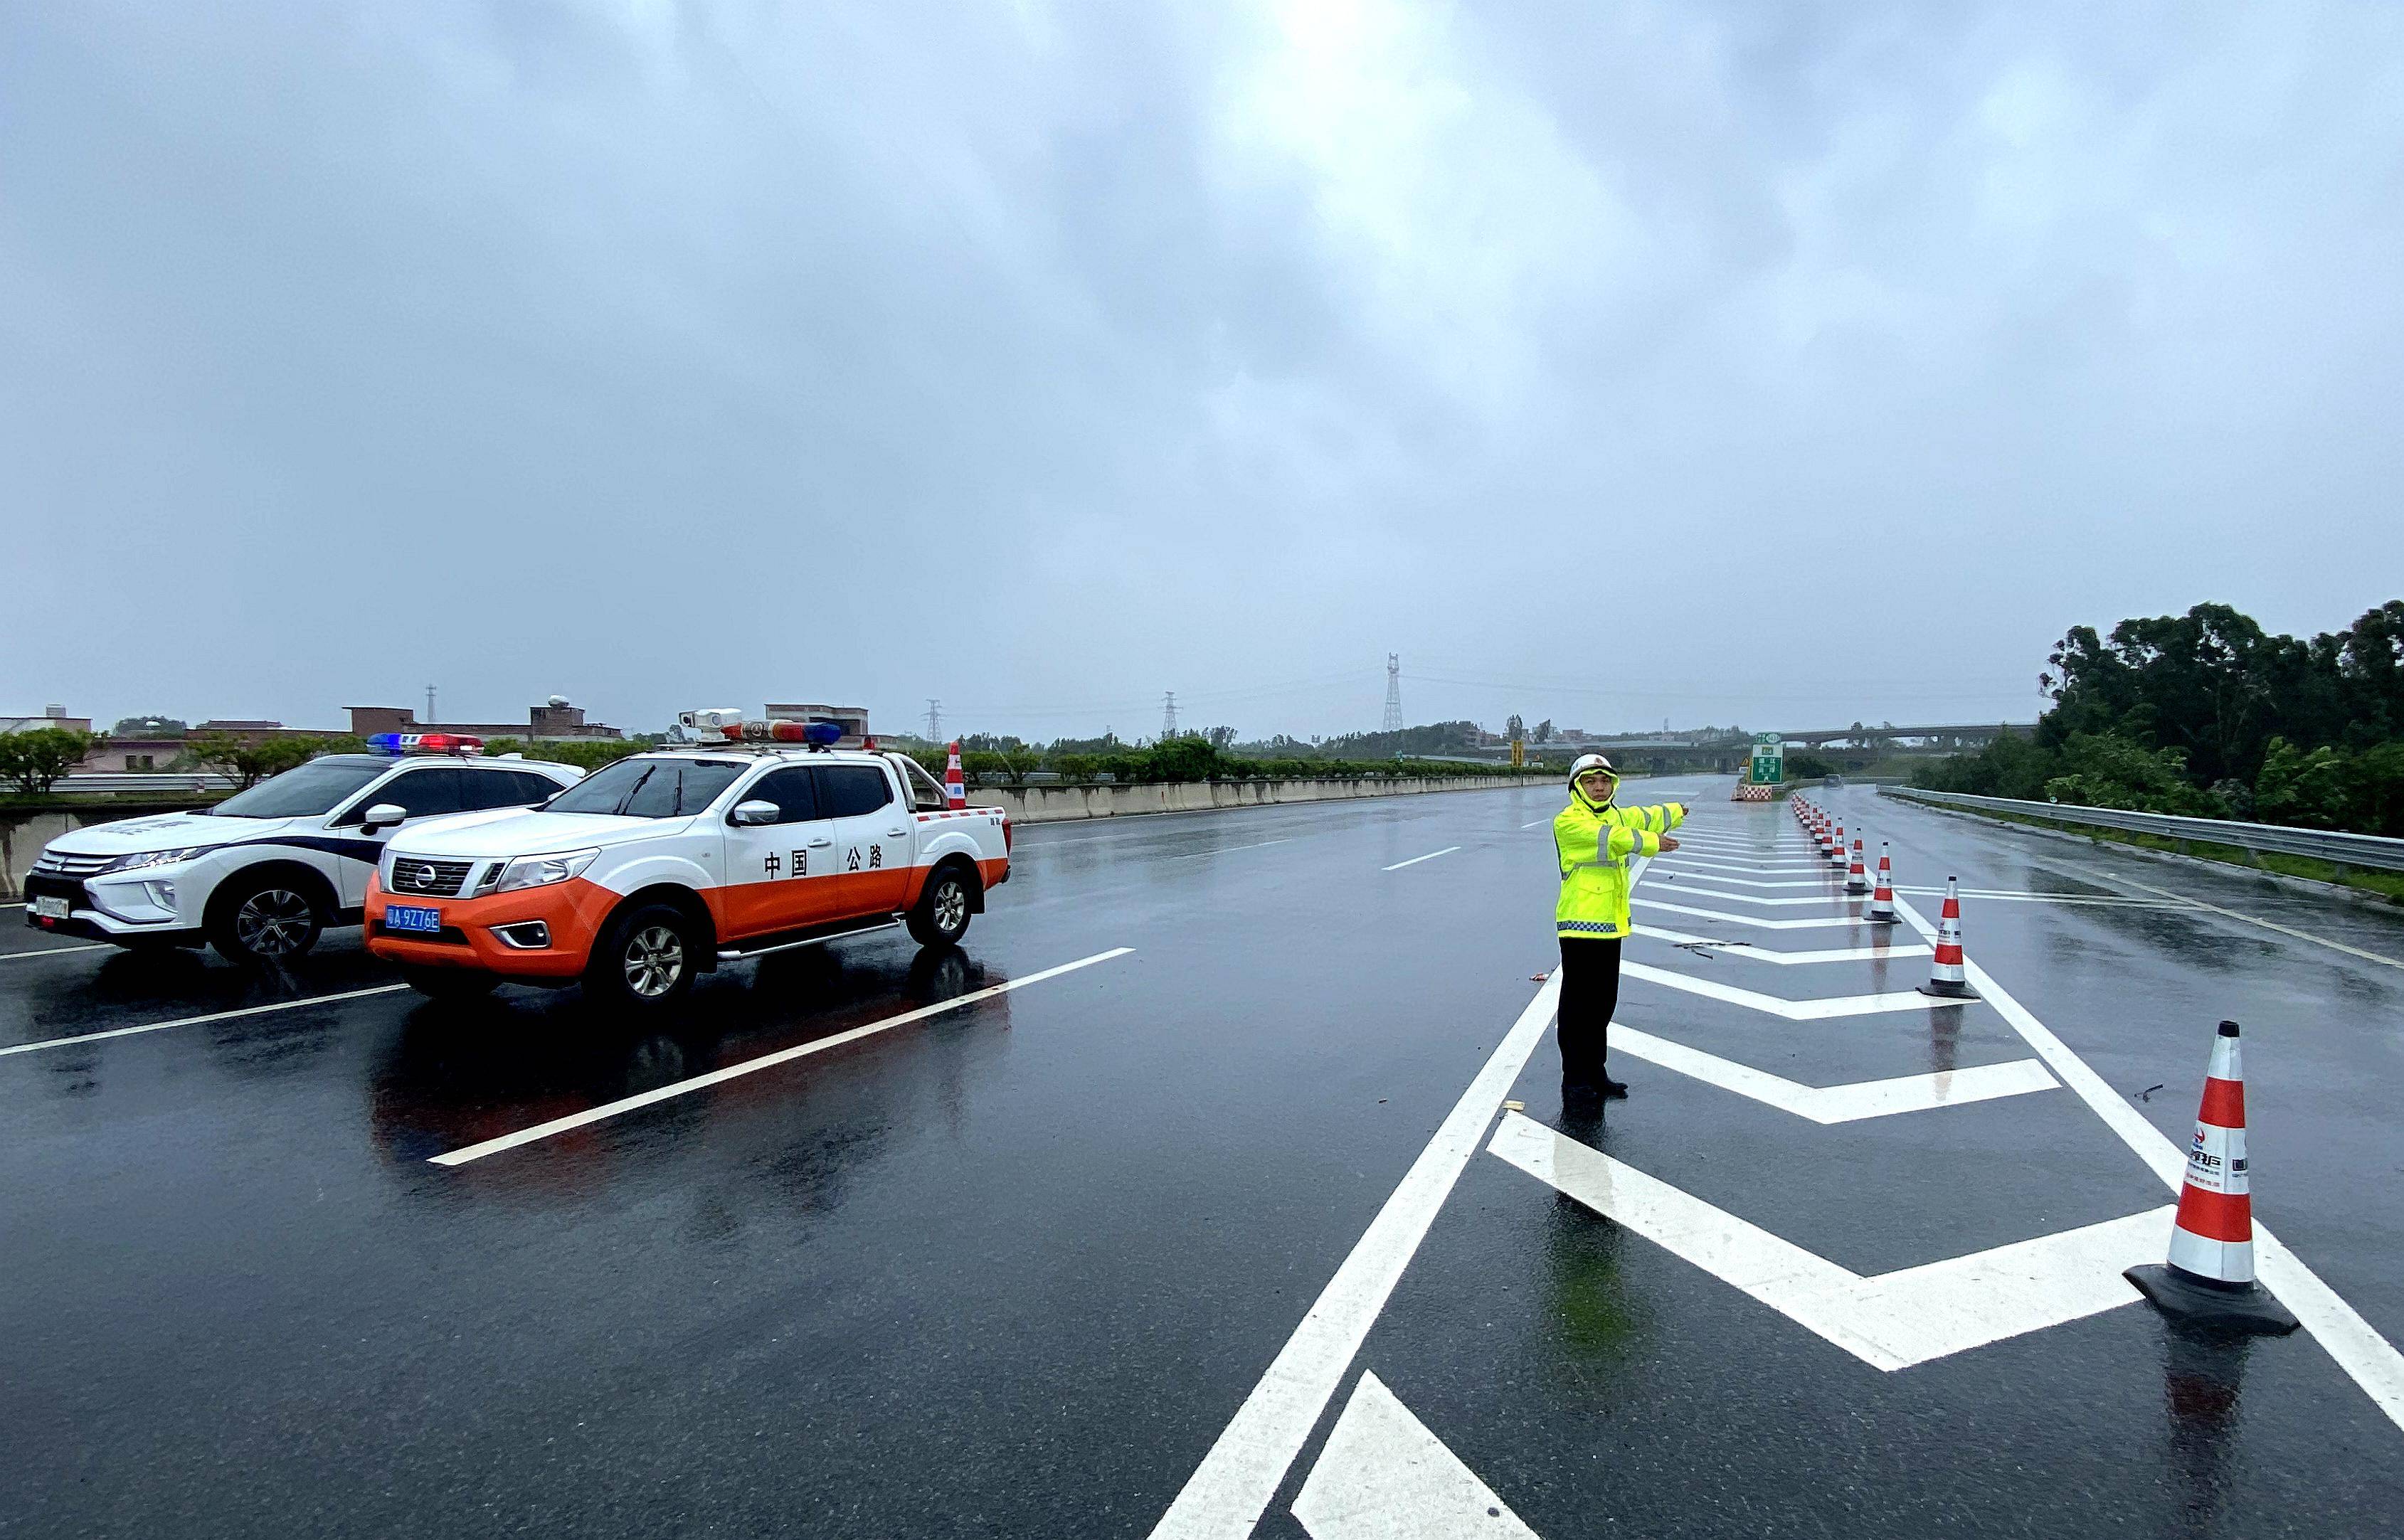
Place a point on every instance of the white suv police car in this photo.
(261, 873)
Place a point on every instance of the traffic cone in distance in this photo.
(956, 791)
(1882, 896)
(1856, 879)
(2209, 1279)
(1948, 980)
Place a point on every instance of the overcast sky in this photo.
(1776, 364)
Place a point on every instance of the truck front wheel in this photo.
(645, 959)
(941, 917)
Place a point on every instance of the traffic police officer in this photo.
(1595, 839)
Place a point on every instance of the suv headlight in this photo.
(540, 871)
(157, 858)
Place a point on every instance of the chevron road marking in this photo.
(1889, 1322)
(1383, 1476)
(1746, 879)
(1752, 898)
(1816, 922)
(1793, 1010)
(1826, 1104)
(1770, 954)
(1682, 861)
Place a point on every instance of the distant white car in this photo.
(261, 874)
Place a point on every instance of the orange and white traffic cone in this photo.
(1837, 848)
(1882, 896)
(1856, 879)
(2209, 1279)
(1948, 980)
(956, 791)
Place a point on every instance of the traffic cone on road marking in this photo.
(1837, 848)
(956, 791)
(1856, 879)
(2209, 1279)
(1947, 977)
(1882, 896)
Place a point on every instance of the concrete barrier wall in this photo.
(23, 834)
(1062, 804)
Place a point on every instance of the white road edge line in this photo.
(198, 1020)
(1416, 859)
(1231, 1488)
(2366, 1357)
(1222, 849)
(54, 951)
(752, 1066)
(2266, 924)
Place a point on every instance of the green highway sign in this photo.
(1769, 760)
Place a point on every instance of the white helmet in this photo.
(1591, 762)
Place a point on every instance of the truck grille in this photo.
(65, 864)
(430, 878)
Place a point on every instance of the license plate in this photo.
(49, 908)
(412, 917)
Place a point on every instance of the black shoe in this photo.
(1613, 1090)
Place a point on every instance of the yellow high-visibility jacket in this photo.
(1595, 843)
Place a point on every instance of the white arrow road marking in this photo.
(1889, 1322)
(1793, 1010)
(1852, 1103)
(1383, 1476)
(1771, 954)
(1823, 923)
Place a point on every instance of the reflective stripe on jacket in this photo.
(1593, 845)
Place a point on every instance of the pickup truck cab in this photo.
(264, 872)
(663, 865)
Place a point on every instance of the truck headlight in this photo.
(157, 859)
(541, 871)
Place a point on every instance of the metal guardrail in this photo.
(163, 783)
(2376, 852)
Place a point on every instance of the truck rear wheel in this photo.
(645, 959)
(941, 916)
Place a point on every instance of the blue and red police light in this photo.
(425, 743)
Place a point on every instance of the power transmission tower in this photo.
(429, 703)
(934, 721)
(1168, 718)
(1393, 692)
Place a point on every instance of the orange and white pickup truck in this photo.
(665, 864)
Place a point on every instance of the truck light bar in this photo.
(729, 727)
(425, 743)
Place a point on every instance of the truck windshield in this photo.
(305, 792)
(649, 788)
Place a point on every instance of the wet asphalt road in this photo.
(1010, 1269)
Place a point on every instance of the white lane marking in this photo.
(198, 1020)
(1793, 1010)
(1383, 1476)
(2008, 896)
(753, 1066)
(1681, 861)
(1228, 1491)
(1820, 884)
(1889, 1322)
(1826, 1104)
(55, 951)
(2366, 1357)
(2266, 924)
(1537, 824)
(1770, 954)
(1416, 859)
(1758, 922)
(1700, 892)
(1225, 849)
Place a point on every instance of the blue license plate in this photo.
(412, 917)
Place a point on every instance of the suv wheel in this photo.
(941, 917)
(272, 918)
(645, 960)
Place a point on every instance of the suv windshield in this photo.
(303, 793)
(649, 788)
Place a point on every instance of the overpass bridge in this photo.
(1849, 749)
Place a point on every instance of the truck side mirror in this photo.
(383, 815)
(754, 814)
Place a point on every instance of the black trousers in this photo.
(1590, 995)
